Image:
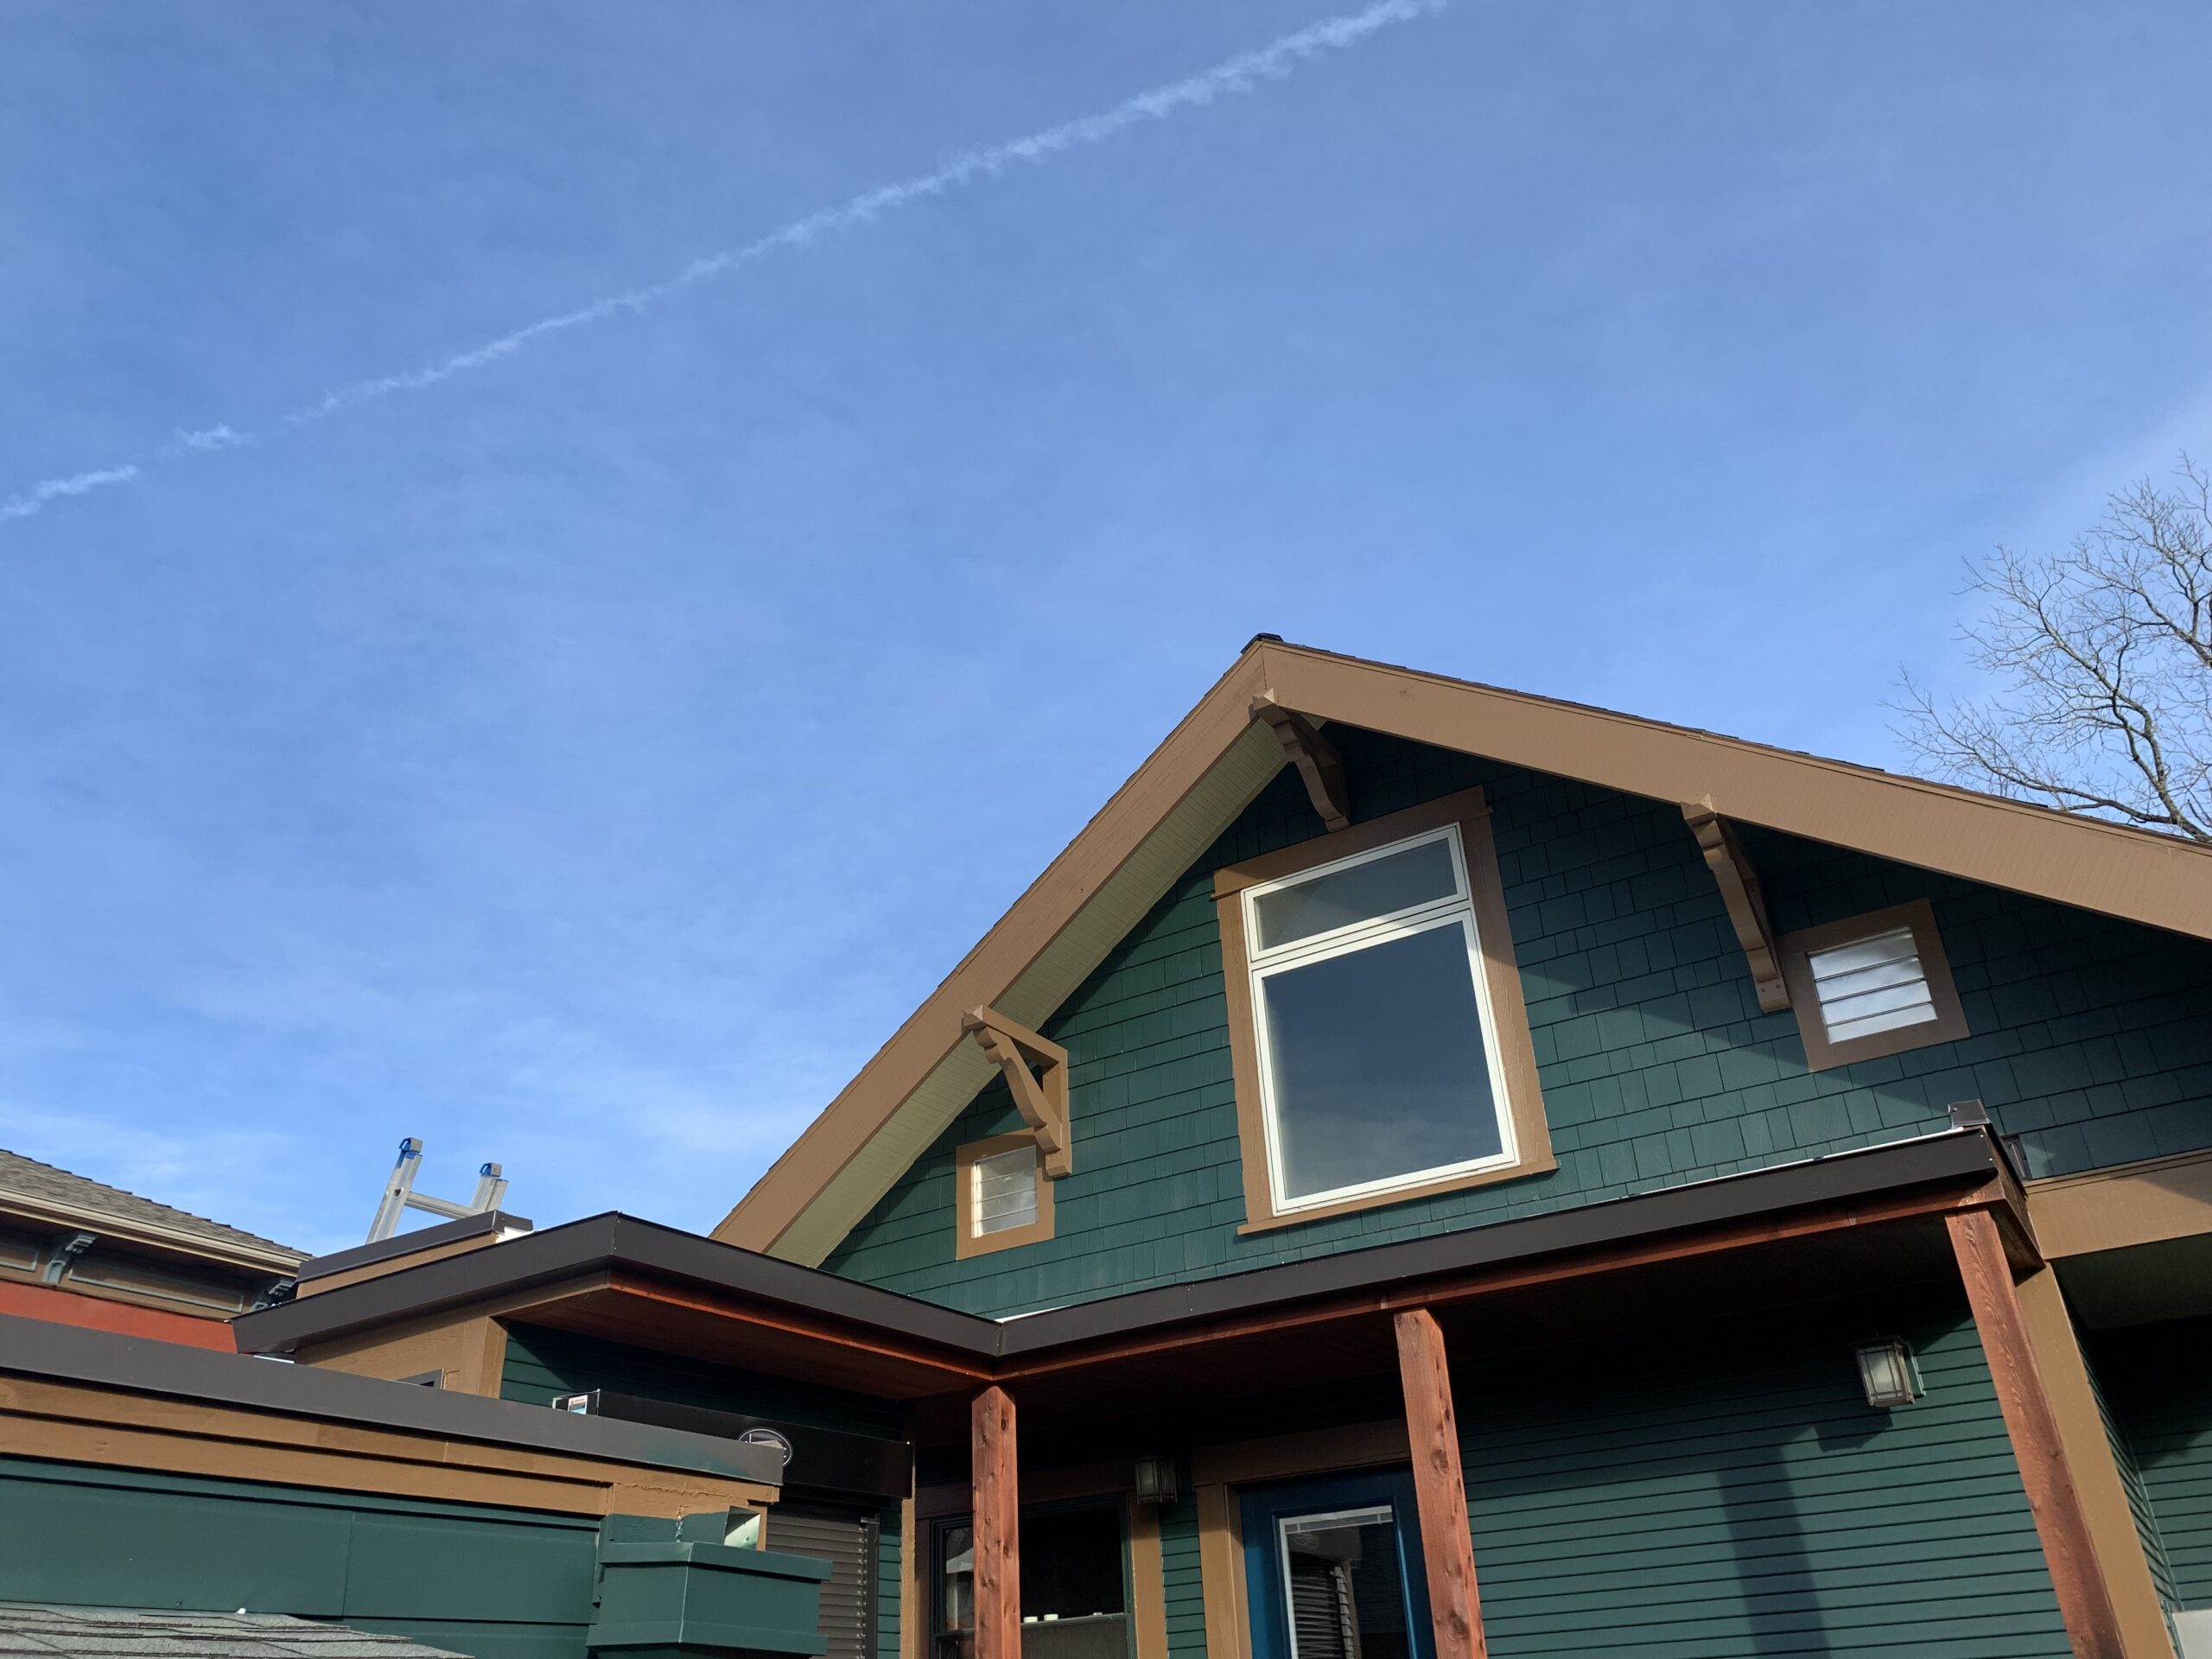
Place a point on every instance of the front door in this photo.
(1333, 1569)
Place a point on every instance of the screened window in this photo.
(1871, 986)
(1378, 1055)
(1005, 1202)
(1006, 1189)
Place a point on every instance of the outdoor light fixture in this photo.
(1887, 1372)
(1155, 1479)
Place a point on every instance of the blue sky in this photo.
(586, 760)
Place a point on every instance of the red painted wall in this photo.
(97, 1313)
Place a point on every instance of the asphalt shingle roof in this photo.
(43, 1182)
(33, 1630)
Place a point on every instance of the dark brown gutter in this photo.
(1956, 1158)
(42, 1349)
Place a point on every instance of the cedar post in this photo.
(997, 1523)
(1439, 1489)
(2085, 1602)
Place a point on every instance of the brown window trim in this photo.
(968, 1242)
(1501, 977)
(1948, 1026)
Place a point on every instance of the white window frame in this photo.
(1458, 908)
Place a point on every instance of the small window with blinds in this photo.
(1871, 986)
(1005, 1200)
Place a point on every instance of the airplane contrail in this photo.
(1241, 73)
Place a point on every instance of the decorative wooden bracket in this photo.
(1041, 1096)
(1314, 756)
(1740, 891)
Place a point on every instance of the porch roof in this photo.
(1823, 1226)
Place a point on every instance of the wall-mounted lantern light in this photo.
(1887, 1372)
(1155, 1479)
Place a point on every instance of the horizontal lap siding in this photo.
(1184, 1592)
(1741, 1499)
(889, 1579)
(2157, 1382)
(2092, 1040)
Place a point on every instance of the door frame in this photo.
(1267, 1604)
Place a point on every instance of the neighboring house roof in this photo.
(37, 1631)
(1214, 763)
(26, 1185)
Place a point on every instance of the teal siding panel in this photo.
(543, 1363)
(2159, 1380)
(1182, 1588)
(500, 1584)
(889, 1576)
(1743, 1500)
(2092, 1040)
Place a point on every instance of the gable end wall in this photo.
(2090, 1040)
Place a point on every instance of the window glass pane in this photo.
(1379, 887)
(1073, 1604)
(1071, 1564)
(1377, 1066)
(1346, 1587)
(1871, 985)
(956, 1593)
(1006, 1189)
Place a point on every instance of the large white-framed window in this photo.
(1379, 1042)
(1377, 1046)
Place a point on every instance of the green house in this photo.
(1433, 1171)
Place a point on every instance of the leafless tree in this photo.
(2102, 659)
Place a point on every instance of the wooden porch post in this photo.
(1439, 1490)
(2085, 1601)
(997, 1527)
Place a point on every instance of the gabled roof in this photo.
(1213, 764)
(28, 1187)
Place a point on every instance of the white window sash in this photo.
(1347, 941)
(1325, 943)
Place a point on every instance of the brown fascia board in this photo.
(102, 1359)
(1959, 1157)
(2112, 868)
(422, 1238)
(2108, 867)
(566, 1253)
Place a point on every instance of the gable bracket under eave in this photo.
(1314, 756)
(1740, 891)
(1041, 1096)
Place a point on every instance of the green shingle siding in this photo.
(1181, 1587)
(542, 1363)
(2157, 1379)
(500, 1584)
(2092, 1042)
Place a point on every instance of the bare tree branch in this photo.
(2100, 658)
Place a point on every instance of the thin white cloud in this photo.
(1241, 73)
(46, 490)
